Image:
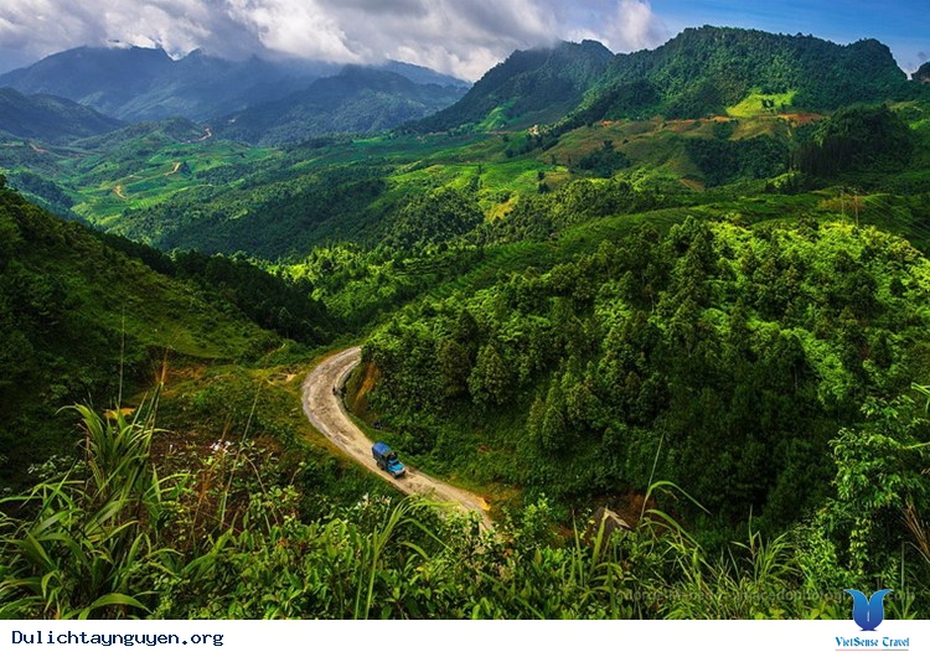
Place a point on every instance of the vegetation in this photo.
(359, 101)
(115, 538)
(80, 320)
(691, 289)
(48, 118)
(704, 70)
(734, 354)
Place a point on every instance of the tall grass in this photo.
(89, 546)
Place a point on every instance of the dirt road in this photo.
(327, 413)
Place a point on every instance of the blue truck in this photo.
(387, 460)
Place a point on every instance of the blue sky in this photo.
(462, 37)
(903, 25)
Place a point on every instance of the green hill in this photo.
(712, 324)
(531, 86)
(700, 72)
(49, 119)
(706, 70)
(82, 321)
(359, 100)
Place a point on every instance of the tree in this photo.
(490, 380)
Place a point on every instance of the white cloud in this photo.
(464, 37)
(634, 27)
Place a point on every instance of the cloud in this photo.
(463, 37)
(635, 27)
(621, 25)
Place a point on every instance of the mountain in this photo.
(102, 78)
(706, 70)
(701, 71)
(49, 118)
(359, 100)
(143, 135)
(144, 84)
(530, 86)
(422, 75)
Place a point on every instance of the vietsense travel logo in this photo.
(868, 613)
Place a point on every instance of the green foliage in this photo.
(704, 70)
(268, 300)
(75, 327)
(742, 351)
(275, 214)
(605, 161)
(858, 139)
(530, 86)
(92, 548)
(879, 480)
(540, 217)
(723, 161)
(434, 218)
(225, 539)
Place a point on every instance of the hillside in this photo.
(531, 86)
(702, 71)
(358, 100)
(923, 73)
(49, 119)
(707, 70)
(693, 306)
(143, 84)
(83, 321)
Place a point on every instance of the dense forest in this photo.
(720, 357)
(666, 312)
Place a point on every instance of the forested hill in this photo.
(530, 86)
(359, 100)
(923, 73)
(723, 358)
(82, 318)
(48, 118)
(701, 71)
(706, 70)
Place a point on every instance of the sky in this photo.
(461, 37)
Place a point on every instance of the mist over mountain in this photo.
(142, 84)
(532, 85)
(359, 100)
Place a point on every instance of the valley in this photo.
(688, 285)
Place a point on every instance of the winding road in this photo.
(328, 414)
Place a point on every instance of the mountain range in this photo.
(287, 100)
(593, 279)
(358, 100)
(702, 71)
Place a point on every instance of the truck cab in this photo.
(387, 460)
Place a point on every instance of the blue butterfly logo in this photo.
(868, 613)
